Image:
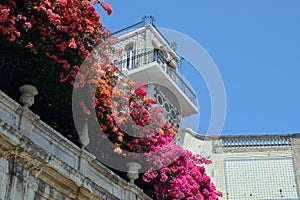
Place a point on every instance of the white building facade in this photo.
(260, 167)
(148, 57)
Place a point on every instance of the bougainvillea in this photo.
(184, 178)
(62, 30)
(66, 31)
(123, 107)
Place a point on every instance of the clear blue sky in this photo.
(256, 46)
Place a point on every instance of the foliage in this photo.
(60, 33)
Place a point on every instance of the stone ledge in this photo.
(45, 153)
(41, 165)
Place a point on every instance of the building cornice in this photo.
(218, 137)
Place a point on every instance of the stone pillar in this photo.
(295, 143)
(27, 120)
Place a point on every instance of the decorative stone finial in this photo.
(27, 95)
(133, 171)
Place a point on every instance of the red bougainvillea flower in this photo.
(59, 29)
(107, 8)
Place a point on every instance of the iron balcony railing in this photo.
(132, 60)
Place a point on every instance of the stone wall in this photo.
(295, 148)
(36, 162)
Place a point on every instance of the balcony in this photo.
(151, 66)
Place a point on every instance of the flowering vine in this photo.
(173, 177)
(65, 32)
(62, 30)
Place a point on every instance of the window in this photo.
(159, 99)
(173, 114)
(129, 56)
(167, 107)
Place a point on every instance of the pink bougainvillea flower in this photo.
(28, 24)
(72, 44)
(4, 13)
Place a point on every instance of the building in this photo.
(260, 167)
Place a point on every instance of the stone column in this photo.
(295, 143)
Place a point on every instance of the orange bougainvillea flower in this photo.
(161, 132)
(30, 45)
(120, 138)
(171, 130)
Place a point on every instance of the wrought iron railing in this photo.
(139, 59)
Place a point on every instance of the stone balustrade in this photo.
(259, 141)
(36, 162)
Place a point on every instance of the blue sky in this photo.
(255, 45)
